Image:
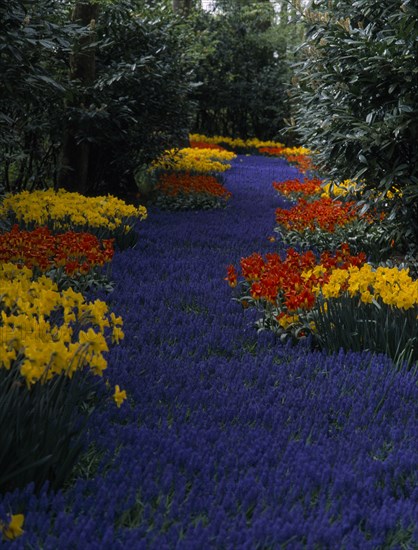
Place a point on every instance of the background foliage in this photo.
(138, 104)
(357, 96)
(133, 105)
(243, 71)
(91, 91)
(34, 48)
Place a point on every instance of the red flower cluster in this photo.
(177, 183)
(290, 282)
(323, 213)
(232, 276)
(76, 252)
(203, 145)
(295, 187)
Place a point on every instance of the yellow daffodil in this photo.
(95, 340)
(119, 396)
(286, 320)
(14, 529)
(340, 188)
(117, 335)
(392, 286)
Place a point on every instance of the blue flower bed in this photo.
(231, 439)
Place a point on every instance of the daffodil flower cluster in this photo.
(334, 189)
(347, 187)
(295, 155)
(235, 142)
(61, 210)
(190, 159)
(296, 151)
(47, 332)
(392, 286)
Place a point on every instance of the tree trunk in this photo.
(76, 156)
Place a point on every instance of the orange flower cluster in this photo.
(232, 276)
(296, 188)
(291, 283)
(75, 252)
(323, 213)
(203, 145)
(176, 183)
(303, 162)
(274, 151)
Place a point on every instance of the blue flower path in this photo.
(231, 439)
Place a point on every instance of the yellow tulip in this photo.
(15, 527)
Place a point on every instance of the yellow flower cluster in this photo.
(340, 188)
(393, 286)
(119, 396)
(37, 324)
(196, 160)
(395, 193)
(15, 527)
(286, 320)
(343, 188)
(235, 142)
(295, 151)
(63, 210)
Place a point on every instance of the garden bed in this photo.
(228, 437)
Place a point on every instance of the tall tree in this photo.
(130, 93)
(77, 153)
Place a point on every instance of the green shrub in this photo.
(352, 325)
(42, 428)
(356, 97)
(374, 239)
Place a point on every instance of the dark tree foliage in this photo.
(242, 70)
(131, 106)
(138, 104)
(357, 96)
(35, 43)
